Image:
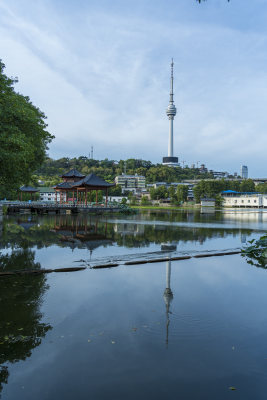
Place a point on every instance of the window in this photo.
(255, 201)
(248, 201)
(242, 201)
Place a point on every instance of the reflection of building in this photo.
(207, 210)
(243, 238)
(168, 296)
(129, 229)
(168, 246)
(245, 216)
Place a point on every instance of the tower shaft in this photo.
(170, 148)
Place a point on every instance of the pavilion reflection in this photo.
(83, 231)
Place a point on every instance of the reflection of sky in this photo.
(217, 334)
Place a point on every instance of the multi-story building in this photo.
(133, 183)
(219, 174)
(244, 172)
(232, 198)
(47, 193)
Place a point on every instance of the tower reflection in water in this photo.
(168, 296)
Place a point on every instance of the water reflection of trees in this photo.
(21, 329)
(93, 231)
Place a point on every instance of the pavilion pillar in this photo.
(77, 196)
(86, 197)
(31, 196)
(20, 196)
(106, 197)
(96, 199)
(91, 196)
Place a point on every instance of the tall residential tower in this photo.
(244, 172)
(171, 112)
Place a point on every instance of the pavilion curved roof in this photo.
(73, 173)
(64, 185)
(93, 181)
(29, 189)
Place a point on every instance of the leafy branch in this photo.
(256, 253)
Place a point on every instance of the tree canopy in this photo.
(107, 169)
(215, 187)
(23, 136)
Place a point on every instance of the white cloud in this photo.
(102, 79)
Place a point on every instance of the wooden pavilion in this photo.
(81, 187)
(27, 189)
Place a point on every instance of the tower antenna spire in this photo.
(171, 91)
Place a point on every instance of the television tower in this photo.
(171, 112)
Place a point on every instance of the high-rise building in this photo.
(244, 172)
(171, 112)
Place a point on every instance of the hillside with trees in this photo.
(51, 170)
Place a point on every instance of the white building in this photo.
(207, 202)
(117, 199)
(49, 194)
(247, 200)
(133, 183)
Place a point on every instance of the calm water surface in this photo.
(189, 329)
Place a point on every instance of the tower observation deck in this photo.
(171, 112)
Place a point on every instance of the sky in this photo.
(100, 69)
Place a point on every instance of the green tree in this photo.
(262, 187)
(247, 186)
(23, 136)
(182, 193)
(145, 201)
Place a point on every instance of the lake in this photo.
(189, 329)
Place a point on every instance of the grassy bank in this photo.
(187, 207)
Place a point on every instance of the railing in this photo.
(50, 204)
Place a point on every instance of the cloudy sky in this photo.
(99, 69)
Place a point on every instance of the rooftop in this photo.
(29, 189)
(92, 180)
(73, 173)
